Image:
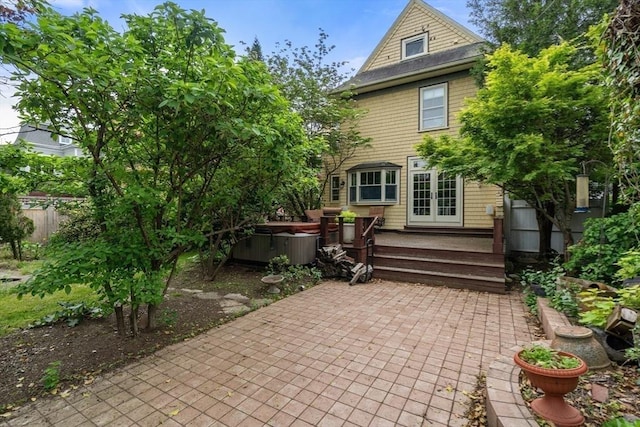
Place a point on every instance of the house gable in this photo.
(418, 18)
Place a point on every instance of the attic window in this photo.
(415, 46)
(64, 140)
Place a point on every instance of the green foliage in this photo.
(532, 25)
(278, 264)
(187, 144)
(549, 358)
(14, 226)
(18, 314)
(81, 225)
(630, 297)
(529, 129)
(71, 313)
(561, 298)
(604, 242)
(51, 376)
(616, 38)
(565, 300)
(349, 216)
(629, 264)
(168, 317)
(299, 277)
(599, 306)
(547, 279)
(531, 301)
(295, 277)
(621, 422)
(308, 79)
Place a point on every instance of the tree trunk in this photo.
(119, 312)
(545, 229)
(14, 250)
(152, 310)
(567, 235)
(133, 320)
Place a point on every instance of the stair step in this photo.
(442, 260)
(442, 274)
(453, 280)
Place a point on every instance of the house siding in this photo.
(393, 112)
(417, 20)
(392, 122)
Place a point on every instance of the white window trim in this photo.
(424, 36)
(445, 107)
(383, 173)
(64, 140)
(332, 188)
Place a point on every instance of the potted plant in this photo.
(556, 373)
(348, 219)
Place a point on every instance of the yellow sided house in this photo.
(437, 228)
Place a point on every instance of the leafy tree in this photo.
(533, 25)
(618, 41)
(530, 26)
(309, 81)
(14, 226)
(18, 10)
(529, 129)
(185, 141)
(254, 52)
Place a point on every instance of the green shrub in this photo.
(349, 216)
(604, 242)
(79, 226)
(599, 307)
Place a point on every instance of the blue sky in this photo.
(354, 26)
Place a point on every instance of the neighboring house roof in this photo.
(42, 141)
(443, 62)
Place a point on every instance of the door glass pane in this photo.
(446, 195)
(422, 194)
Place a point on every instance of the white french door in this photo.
(434, 198)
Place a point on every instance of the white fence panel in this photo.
(521, 227)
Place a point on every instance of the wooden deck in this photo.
(430, 241)
(454, 261)
(434, 257)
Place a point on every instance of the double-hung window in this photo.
(433, 107)
(335, 188)
(375, 185)
(415, 46)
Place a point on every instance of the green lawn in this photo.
(17, 314)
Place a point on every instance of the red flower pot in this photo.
(555, 383)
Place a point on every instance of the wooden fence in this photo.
(46, 218)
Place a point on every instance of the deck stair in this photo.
(456, 268)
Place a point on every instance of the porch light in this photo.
(582, 193)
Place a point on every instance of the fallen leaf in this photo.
(174, 412)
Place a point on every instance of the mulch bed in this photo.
(94, 346)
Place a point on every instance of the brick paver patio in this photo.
(376, 354)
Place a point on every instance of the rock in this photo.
(599, 393)
(208, 295)
(237, 297)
